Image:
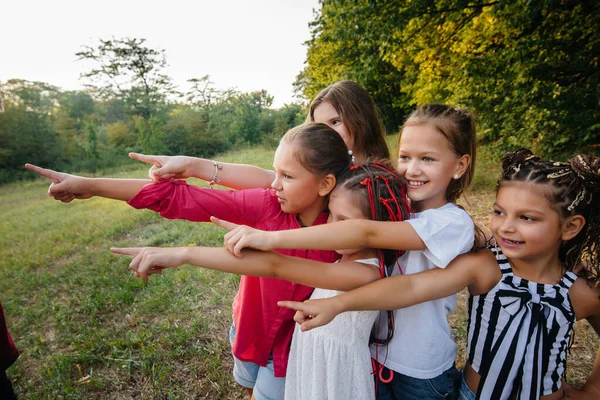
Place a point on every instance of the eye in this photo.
(527, 218)
(402, 158)
(336, 122)
(497, 212)
(286, 176)
(427, 159)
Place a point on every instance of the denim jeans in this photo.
(465, 392)
(403, 387)
(260, 379)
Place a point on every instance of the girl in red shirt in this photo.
(306, 164)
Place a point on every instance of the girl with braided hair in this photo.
(333, 363)
(524, 295)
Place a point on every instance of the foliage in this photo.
(528, 69)
(129, 71)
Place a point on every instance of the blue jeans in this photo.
(403, 387)
(260, 379)
(465, 392)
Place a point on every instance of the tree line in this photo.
(529, 69)
(129, 104)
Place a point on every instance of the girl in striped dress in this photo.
(524, 293)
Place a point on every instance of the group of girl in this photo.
(524, 295)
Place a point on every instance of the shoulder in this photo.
(480, 268)
(448, 214)
(585, 299)
(446, 231)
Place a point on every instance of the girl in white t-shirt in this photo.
(333, 362)
(436, 157)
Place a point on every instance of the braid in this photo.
(384, 200)
(575, 185)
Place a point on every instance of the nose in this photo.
(276, 184)
(507, 225)
(412, 168)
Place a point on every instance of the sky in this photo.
(244, 44)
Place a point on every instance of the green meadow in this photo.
(87, 329)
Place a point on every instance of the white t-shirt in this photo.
(422, 346)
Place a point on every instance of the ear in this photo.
(327, 185)
(572, 226)
(463, 163)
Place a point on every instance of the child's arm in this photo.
(349, 234)
(67, 187)
(477, 271)
(586, 303)
(236, 176)
(336, 276)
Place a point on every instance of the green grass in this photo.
(88, 329)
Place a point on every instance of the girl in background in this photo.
(344, 106)
(436, 158)
(523, 294)
(334, 362)
(306, 163)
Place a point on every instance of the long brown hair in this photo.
(359, 113)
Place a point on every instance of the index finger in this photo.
(293, 305)
(148, 159)
(223, 224)
(46, 173)
(128, 251)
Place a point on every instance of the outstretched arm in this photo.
(479, 272)
(349, 234)
(67, 187)
(236, 176)
(337, 276)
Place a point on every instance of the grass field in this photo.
(87, 329)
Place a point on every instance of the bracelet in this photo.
(215, 178)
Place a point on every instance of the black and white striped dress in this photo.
(518, 335)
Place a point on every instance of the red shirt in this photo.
(262, 327)
(8, 350)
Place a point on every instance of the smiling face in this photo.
(524, 223)
(325, 113)
(428, 164)
(298, 190)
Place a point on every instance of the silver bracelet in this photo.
(215, 178)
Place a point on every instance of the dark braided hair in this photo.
(382, 197)
(575, 185)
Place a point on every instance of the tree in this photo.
(529, 69)
(129, 71)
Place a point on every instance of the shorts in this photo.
(464, 391)
(443, 386)
(260, 379)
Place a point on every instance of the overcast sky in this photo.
(250, 45)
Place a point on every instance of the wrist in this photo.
(274, 240)
(88, 185)
(339, 304)
(185, 255)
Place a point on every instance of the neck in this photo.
(543, 269)
(310, 215)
